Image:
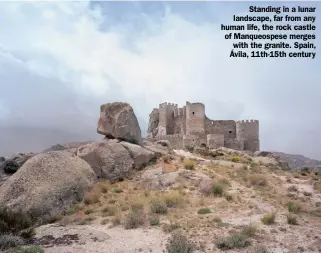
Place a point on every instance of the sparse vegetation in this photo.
(235, 159)
(153, 219)
(10, 241)
(250, 230)
(217, 188)
(294, 207)
(158, 206)
(232, 242)
(28, 249)
(257, 180)
(16, 223)
(134, 219)
(179, 243)
(189, 164)
(173, 199)
(204, 211)
(268, 219)
(260, 249)
(292, 220)
(91, 198)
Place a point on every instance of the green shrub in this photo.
(189, 165)
(10, 241)
(268, 219)
(292, 220)
(294, 207)
(134, 219)
(178, 243)
(204, 211)
(153, 219)
(16, 223)
(232, 242)
(217, 188)
(189, 148)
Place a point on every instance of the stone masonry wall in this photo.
(234, 144)
(215, 140)
(176, 140)
(226, 127)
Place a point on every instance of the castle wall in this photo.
(234, 144)
(215, 140)
(226, 127)
(176, 140)
(179, 124)
(195, 118)
(194, 140)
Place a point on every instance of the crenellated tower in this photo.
(195, 118)
(248, 131)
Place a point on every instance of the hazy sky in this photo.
(60, 61)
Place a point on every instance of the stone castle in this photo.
(189, 126)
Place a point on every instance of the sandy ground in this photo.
(101, 239)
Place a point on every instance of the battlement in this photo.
(189, 103)
(168, 105)
(179, 112)
(247, 121)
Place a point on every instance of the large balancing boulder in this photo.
(118, 120)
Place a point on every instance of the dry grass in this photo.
(257, 180)
(189, 165)
(91, 198)
(134, 219)
(268, 219)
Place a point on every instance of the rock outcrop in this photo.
(118, 120)
(108, 158)
(48, 184)
(158, 179)
(153, 123)
(13, 163)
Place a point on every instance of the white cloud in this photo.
(169, 60)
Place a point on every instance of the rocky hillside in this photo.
(122, 194)
(297, 162)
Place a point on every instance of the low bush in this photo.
(134, 219)
(10, 241)
(292, 220)
(179, 243)
(16, 223)
(158, 206)
(232, 242)
(294, 207)
(189, 165)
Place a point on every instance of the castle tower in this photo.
(248, 131)
(195, 118)
(166, 114)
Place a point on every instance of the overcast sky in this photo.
(60, 61)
